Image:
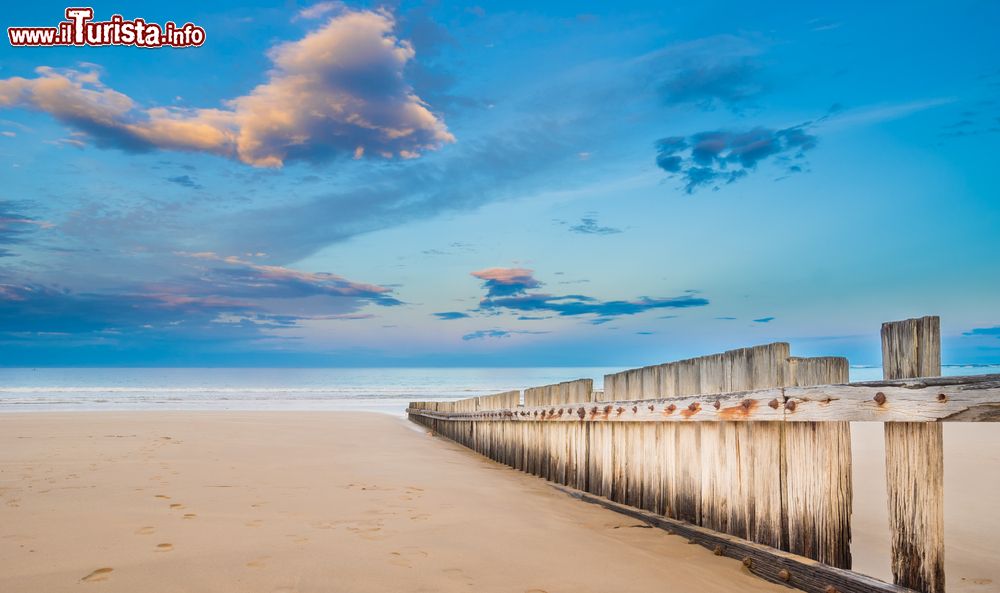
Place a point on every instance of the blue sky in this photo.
(500, 183)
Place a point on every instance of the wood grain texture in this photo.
(914, 459)
(577, 391)
(817, 488)
(925, 399)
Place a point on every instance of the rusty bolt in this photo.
(784, 575)
(774, 403)
(671, 408)
(635, 409)
(942, 398)
(880, 398)
(747, 404)
(717, 551)
(790, 405)
(747, 561)
(717, 404)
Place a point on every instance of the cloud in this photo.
(228, 301)
(449, 315)
(185, 181)
(337, 92)
(506, 281)
(575, 304)
(764, 320)
(719, 157)
(318, 10)
(717, 71)
(15, 226)
(507, 290)
(239, 278)
(497, 333)
(984, 331)
(588, 226)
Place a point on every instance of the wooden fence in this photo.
(747, 452)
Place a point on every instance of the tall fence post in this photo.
(914, 461)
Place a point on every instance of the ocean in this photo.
(360, 389)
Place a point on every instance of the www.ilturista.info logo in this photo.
(79, 28)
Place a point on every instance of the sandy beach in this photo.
(286, 501)
(334, 501)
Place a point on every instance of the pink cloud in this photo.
(507, 281)
(339, 91)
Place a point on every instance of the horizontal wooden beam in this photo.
(763, 561)
(937, 399)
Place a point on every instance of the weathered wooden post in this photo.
(914, 461)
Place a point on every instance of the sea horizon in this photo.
(374, 389)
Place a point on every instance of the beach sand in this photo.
(288, 501)
(331, 501)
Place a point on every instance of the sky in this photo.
(500, 184)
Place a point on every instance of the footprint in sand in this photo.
(163, 496)
(258, 562)
(406, 557)
(177, 505)
(101, 574)
(147, 530)
(190, 515)
(164, 547)
(457, 574)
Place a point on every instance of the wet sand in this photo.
(289, 501)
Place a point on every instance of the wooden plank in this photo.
(763, 561)
(951, 399)
(816, 482)
(924, 399)
(914, 459)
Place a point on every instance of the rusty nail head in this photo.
(593, 410)
(784, 574)
(620, 409)
(880, 398)
(560, 411)
(635, 409)
(942, 398)
(747, 403)
(651, 407)
(694, 406)
(790, 405)
(671, 408)
(607, 409)
(774, 403)
(717, 404)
